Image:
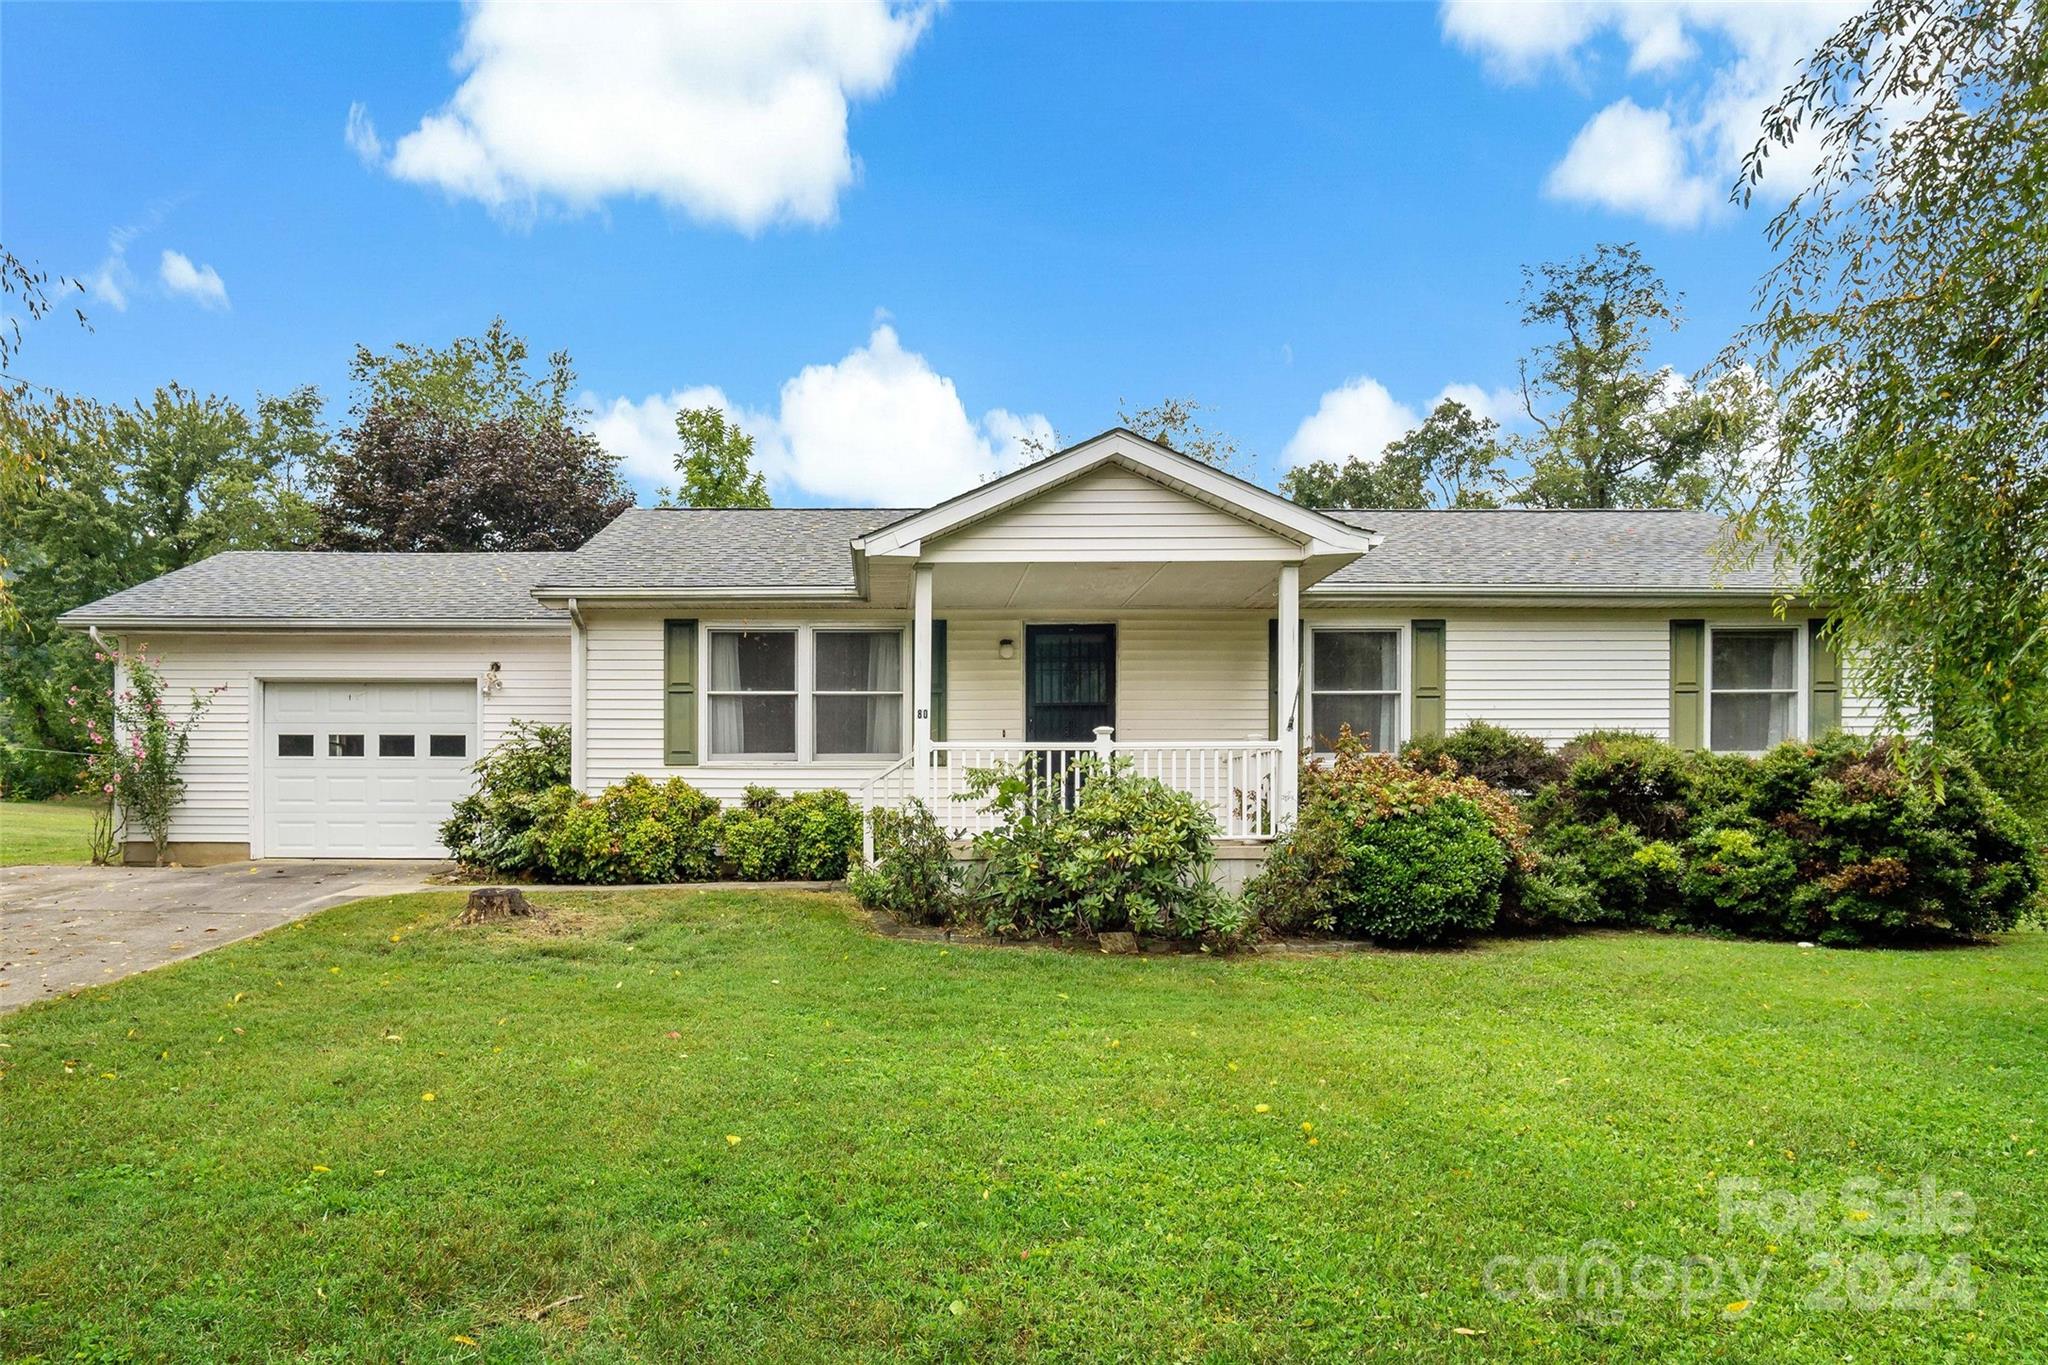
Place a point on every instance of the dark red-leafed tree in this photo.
(409, 478)
(458, 448)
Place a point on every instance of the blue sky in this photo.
(1026, 214)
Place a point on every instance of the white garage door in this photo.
(364, 769)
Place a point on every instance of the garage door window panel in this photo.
(395, 746)
(344, 746)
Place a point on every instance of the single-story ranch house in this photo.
(1115, 596)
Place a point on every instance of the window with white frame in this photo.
(1355, 680)
(751, 686)
(857, 692)
(1752, 689)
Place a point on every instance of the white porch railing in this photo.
(888, 789)
(1238, 782)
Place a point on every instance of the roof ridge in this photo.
(849, 510)
(1612, 511)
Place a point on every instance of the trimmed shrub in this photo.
(524, 819)
(1637, 779)
(1627, 878)
(757, 846)
(693, 821)
(822, 829)
(1131, 854)
(1853, 842)
(1496, 756)
(914, 874)
(1424, 875)
(494, 826)
(1741, 878)
(1388, 851)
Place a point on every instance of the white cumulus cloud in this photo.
(199, 283)
(878, 426)
(734, 113)
(880, 423)
(1719, 64)
(1634, 160)
(1360, 418)
(1357, 418)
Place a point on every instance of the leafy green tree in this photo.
(1612, 431)
(27, 290)
(1174, 422)
(462, 448)
(122, 495)
(1454, 459)
(471, 379)
(716, 464)
(1906, 322)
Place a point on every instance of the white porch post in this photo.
(921, 681)
(1287, 691)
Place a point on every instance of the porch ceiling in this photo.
(1066, 587)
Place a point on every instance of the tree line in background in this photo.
(1882, 424)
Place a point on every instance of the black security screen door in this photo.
(1069, 682)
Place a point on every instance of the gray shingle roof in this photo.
(284, 585)
(708, 547)
(704, 548)
(1525, 548)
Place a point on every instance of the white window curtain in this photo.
(1355, 680)
(859, 692)
(753, 694)
(1754, 689)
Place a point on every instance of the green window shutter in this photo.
(939, 684)
(1273, 677)
(1824, 680)
(679, 710)
(1426, 700)
(1688, 682)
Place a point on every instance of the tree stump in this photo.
(494, 902)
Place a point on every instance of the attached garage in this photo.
(365, 769)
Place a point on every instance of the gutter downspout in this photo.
(579, 744)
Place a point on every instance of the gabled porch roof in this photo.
(1321, 543)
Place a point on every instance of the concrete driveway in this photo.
(64, 928)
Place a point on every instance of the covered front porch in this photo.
(1116, 601)
(1171, 670)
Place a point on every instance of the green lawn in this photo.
(735, 1125)
(43, 832)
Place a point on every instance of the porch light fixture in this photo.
(493, 680)
(1006, 649)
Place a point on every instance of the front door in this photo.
(1069, 682)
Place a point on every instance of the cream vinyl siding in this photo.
(624, 689)
(984, 691)
(1191, 677)
(220, 769)
(1178, 676)
(1556, 674)
(1111, 515)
